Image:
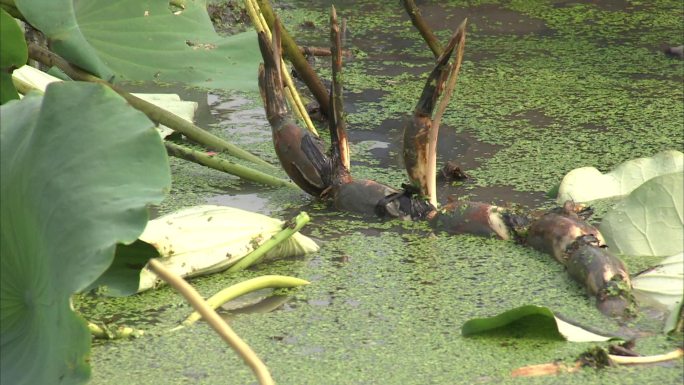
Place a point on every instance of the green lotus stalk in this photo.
(289, 228)
(242, 288)
(626, 360)
(224, 165)
(155, 113)
(215, 321)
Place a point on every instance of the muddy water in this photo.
(541, 92)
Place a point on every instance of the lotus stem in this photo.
(422, 27)
(214, 320)
(321, 51)
(555, 368)
(292, 52)
(290, 90)
(289, 228)
(153, 112)
(224, 165)
(338, 125)
(242, 288)
(627, 360)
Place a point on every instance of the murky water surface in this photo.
(545, 87)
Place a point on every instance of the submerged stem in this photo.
(242, 288)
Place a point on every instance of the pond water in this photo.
(546, 86)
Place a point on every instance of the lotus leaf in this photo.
(13, 54)
(542, 317)
(79, 166)
(123, 275)
(57, 20)
(587, 184)
(664, 284)
(138, 40)
(650, 220)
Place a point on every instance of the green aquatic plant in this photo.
(13, 54)
(179, 44)
(79, 167)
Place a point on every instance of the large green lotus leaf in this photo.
(123, 275)
(146, 40)
(538, 319)
(57, 20)
(650, 220)
(587, 184)
(205, 239)
(13, 54)
(79, 166)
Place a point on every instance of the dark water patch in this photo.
(354, 99)
(463, 148)
(536, 117)
(485, 19)
(241, 119)
(604, 5)
(501, 196)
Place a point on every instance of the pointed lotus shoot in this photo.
(441, 108)
(338, 132)
(422, 27)
(294, 55)
(417, 132)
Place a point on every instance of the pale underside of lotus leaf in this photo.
(206, 239)
(664, 284)
(587, 184)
